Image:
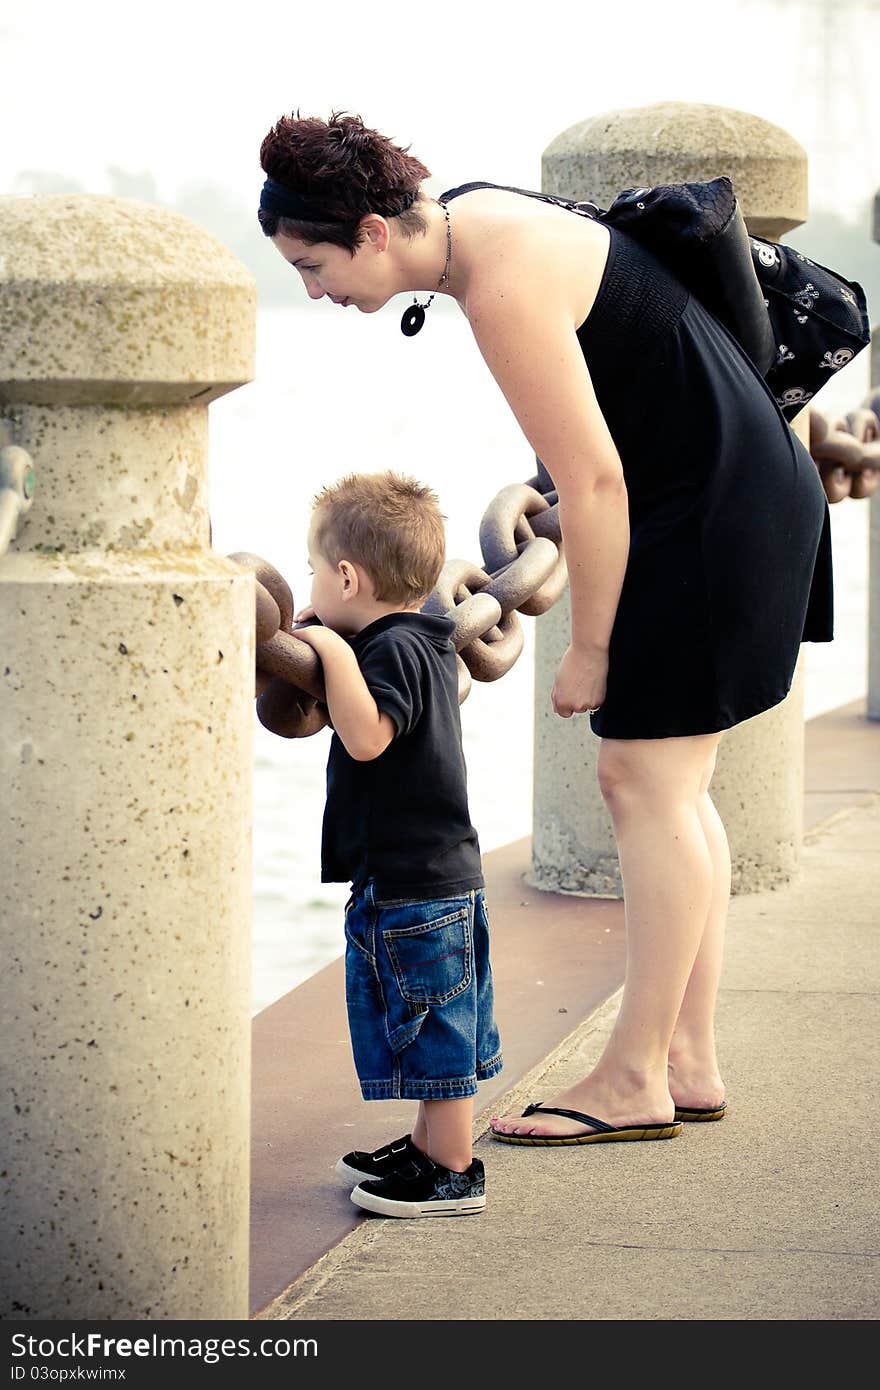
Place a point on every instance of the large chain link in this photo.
(17, 481)
(846, 449)
(523, 571)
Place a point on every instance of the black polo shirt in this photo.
(403, 817)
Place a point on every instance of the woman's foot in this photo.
(615, 1104)
(695, 1085)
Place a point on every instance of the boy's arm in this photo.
(365, 730)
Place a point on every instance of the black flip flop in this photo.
(604, 1133)
(690, 1114)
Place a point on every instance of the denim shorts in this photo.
(418, 986)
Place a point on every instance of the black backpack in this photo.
(798, 321)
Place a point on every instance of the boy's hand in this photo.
(306, 615)
(365, 730)
(322, 639)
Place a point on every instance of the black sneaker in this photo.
(423, 1188)
(357, 1165)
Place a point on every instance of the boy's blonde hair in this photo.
(390, 525)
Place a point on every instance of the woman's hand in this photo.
(580, 681)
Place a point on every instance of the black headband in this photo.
(285, 203)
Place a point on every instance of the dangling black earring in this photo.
(413, 318)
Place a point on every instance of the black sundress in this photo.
(729, 565)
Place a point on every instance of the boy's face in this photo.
(331, 595)
(343, 594)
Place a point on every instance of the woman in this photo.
(696, 534)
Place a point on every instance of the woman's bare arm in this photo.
(529, 343)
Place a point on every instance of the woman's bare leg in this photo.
(694, 1078)
(653, 789)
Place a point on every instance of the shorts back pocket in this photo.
(433, 960)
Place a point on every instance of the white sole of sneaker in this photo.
(460, 1206)
(351, 1174)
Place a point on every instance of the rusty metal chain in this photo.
(17, 481)
(523, 571)
(846, 449)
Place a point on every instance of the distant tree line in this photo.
(846, 245)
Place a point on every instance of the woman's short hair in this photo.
(390, 525)
(349, 169)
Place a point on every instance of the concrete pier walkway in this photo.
(769, 1215)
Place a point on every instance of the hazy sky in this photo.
(187, 90)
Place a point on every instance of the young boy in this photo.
(397, 825)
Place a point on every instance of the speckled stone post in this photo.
(758, 783)
(126, 679)
(874, 541)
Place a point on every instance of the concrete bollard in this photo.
(874, 538)
(126, 670)
(758, 783)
